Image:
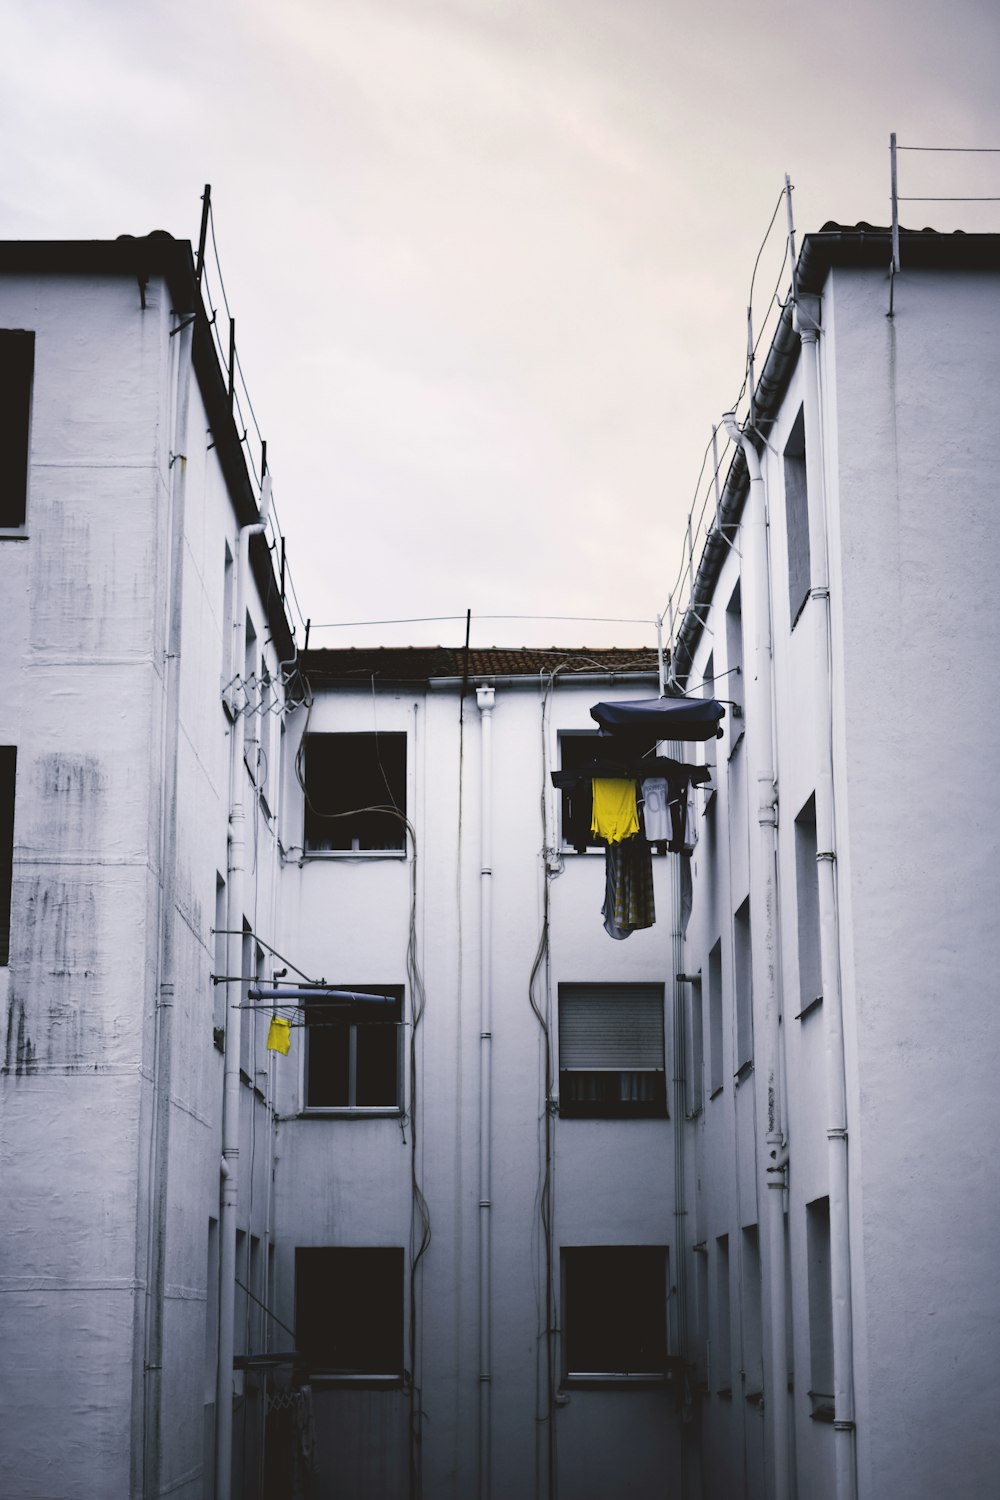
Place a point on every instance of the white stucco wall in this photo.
(906, 411)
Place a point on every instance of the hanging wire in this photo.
(966, 150)
(678, 606)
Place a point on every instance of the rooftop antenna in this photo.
(791, 237)
(206, 204)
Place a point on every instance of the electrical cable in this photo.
(967, 150)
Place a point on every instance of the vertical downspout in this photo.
(764, 927)
(807, 326)
(484, 699)
(234, 994)
(163, 1045)
(678, 1272)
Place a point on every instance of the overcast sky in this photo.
(490, 259)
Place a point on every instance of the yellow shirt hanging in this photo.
(279, 1035)
(615, 814)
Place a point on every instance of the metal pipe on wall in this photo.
(166, 957)
(485, 699)
(807, 324)
(231, 1067)
(764, 928)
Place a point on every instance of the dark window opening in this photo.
(8, 767)
(820, 1301)
(734, 665)
(349, 1312)
(722, 1370)
(715, 1058)
(797, 518)
(611, 1054)
(615, 1311)
(743, 959)
(355, 787)
(807, 901)
(578, 803)
(353, 1053)
(17, 365)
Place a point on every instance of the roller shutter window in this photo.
(611, 1051)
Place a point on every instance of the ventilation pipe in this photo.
(484, 699)
(167, 855)
(807, 315)
(231, 1069)
(764, 926)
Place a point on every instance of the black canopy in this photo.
(664, 718)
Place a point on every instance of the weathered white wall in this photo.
(82, 695)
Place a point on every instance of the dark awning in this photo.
(666, 718)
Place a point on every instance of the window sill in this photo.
(809, 1007)
(309, 854)
(743, 1072)
(736, 744)
(355, 1382)
(823, 1408)
(350, 1112)
(716, 1092)
(12, 534)
(658, 1380)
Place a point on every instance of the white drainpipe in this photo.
(231, 1070)
(166, 957)
(807, 325)
(764, 928)
(484, 699)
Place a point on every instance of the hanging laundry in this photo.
(628, 888)
(279, 1035)
(654, 809)
(615, 814)
(691, 824)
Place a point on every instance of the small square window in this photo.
(614, 1312)
(349, 1313)
(355, 792)
(611, 1060)
(353, 1052)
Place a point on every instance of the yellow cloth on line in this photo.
(279, 1035)
(615, 814)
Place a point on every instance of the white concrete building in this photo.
(530, 1211)
(437, 1182)
(139, 806)
(844, 938)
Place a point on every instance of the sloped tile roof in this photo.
(425, 663)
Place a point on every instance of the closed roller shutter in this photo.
(611, 1027)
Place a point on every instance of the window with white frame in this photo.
(611, 1051)
(614, 1307)
(353, 1051)
(355, 792)
(349, 1312)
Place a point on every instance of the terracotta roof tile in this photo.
(423, 663)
